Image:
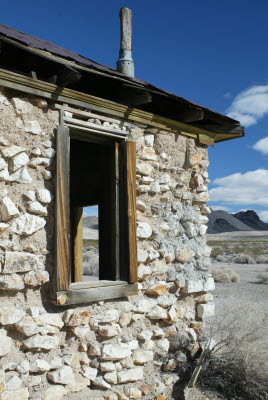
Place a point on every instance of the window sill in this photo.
(85, 292)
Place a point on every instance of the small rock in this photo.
(141, 357)
(27, 326)
(8, 209)
(72, 318)
(133, 393)
(157, 290)
(18, 394)
(44, 196)
(16, 261)
(27, 224)
(12, 151)
(41, 342)
(36, 278)
(21, 176)
(33, 127)
(50, 319)
(144, 230)
(18, 162)
(37, 208)
(23, 367)
(109, 330)
(40, 366)
(141, 206)
(100, 382)
(130, 375)
(107, 367)
(205, 310)
(157, 313)
(111, 315)
(115, 351)
(111, 377)
(89, 372)
(14, 383)
(5, 343)
(11, 282)
(64, 375)
(55, 392)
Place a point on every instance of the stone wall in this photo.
(122, 349)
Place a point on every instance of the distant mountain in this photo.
(251, 219)
(220, 221)
(91, 222)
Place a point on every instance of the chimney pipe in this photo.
(125, 63)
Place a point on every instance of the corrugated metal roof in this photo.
(41, 44)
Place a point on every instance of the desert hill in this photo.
(251, 219)
(220, 221)
(91, 222)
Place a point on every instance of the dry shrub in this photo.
(224, 275)
(242, 258)
(262, 259)
(237, 363)
(263, 277)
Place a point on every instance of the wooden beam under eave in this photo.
(192, 116)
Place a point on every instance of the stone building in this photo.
(75, 133)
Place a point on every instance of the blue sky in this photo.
(211, 52)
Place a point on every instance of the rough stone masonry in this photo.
(121, 349)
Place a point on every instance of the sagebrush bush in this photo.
(237, 362)
(263, 277)
(225, 275)
(242, 258)
(262, 259)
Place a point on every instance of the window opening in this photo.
(90, 243)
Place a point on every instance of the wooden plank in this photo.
(65, 298)
(132, 223)
(78, 244)
(117, 213)
(100, 128)
(63, 209)
(94, 284)
(192, 116)
(203, 139)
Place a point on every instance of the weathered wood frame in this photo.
(126, 271)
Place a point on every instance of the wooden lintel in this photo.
(192, 116)
(68, 297)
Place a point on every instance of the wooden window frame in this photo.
(64, 291)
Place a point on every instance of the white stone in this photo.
(109, 330)
(144, 305)
(3, 226)
(157, 313)
(14, 383)
(8, 209)
(141, 357)
(41, 342)
(133, 344)
(50, 319)
(27, 224)
(115, 351)
(18, 161)
(21, 106)
(130, 375)
(148, 154)
(141, 206)
(144, 230)
(144, 271)
(152, 254)
(23, 367)
(37, 278)
(40, 366)
(21, 176)
(107, 367)
(4, 100)
(3, 142)
(166, 300)
(111, 377)
(10, 315)
(144, 169)
(37, 208)
(3, 164)
(133, 393)
(111, 315)
(155, 187)
(36, 151)
(5, 343)
(143, 188)
(18, 394)
(164, 227)
(193, 286)
(11, 282)
(209, 284)
(203, 229)
(4, 174)
(30, 195)
(89, 372)
(56, 363)
(95, 349)
(146, 180)
(149, 140)
(27, 326)
(145, 335)
(33, 127)
(164, 179)
(47, 143)
(184, 254)
(142, 255)
(158, 332)
(16, 261)
(202, 197)
(48, 153)
(205, 310)
(40, 161)
(64, 375)
(12, 151)
(164, 188)
(46, 174)
(44, 196)
(100, 382)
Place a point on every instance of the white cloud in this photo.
(263, 215)
(222, 208)
(250, 105)
(262, 145)
(250, 188)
